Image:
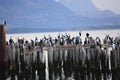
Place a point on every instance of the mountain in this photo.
(86, 8)
(39, 13)
(49, 15)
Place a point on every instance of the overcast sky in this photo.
(113, 5)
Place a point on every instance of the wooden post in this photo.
(2, 52)
(48, 63)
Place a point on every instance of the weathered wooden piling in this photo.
(113, 60)
(41, 65)
(50, 62)
(68, 63)
(2, 52)
(115, 66)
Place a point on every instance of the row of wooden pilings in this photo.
(83, 63)
(64, 63)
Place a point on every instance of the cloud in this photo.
(113, 5)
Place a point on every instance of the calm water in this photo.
(93, 33)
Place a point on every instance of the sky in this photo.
(112, 5)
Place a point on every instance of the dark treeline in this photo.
(68, 58)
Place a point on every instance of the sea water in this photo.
(93, 33)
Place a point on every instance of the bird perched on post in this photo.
(4, 22)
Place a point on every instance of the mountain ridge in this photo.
(48, 14)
